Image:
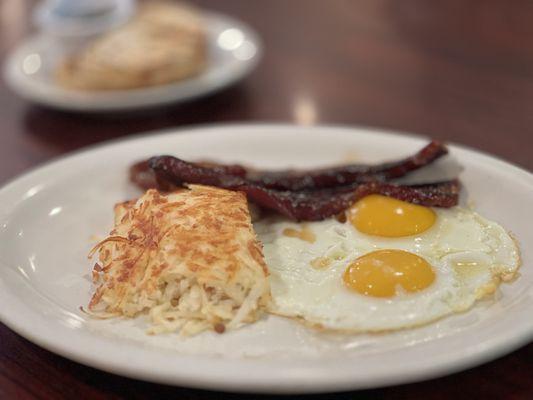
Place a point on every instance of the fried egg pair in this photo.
(392, 265)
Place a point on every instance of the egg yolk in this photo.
(379, 273)
(384, 216)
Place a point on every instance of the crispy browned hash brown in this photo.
(189, 259)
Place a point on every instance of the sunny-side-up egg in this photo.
(392, 265)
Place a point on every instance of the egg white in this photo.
(469, 254)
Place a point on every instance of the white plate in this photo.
(234, 50)
(48, 216)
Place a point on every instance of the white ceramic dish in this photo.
(48, 218)
(234, 50)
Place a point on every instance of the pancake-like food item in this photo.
(189, 258)
(164, 42)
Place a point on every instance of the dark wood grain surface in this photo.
(460, 70)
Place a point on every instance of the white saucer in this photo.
(234, 50)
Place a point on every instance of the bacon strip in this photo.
(319, 205)
(141, 174)
(308, 205)
(347, 174)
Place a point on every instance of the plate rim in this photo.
(481, 355)
(26, 90)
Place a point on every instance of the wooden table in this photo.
(457, 70)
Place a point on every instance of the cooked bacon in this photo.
(347, 174)
(308, 205)
(143, 176)
(295, 180)
(318, 205)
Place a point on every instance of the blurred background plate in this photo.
(234, 50)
